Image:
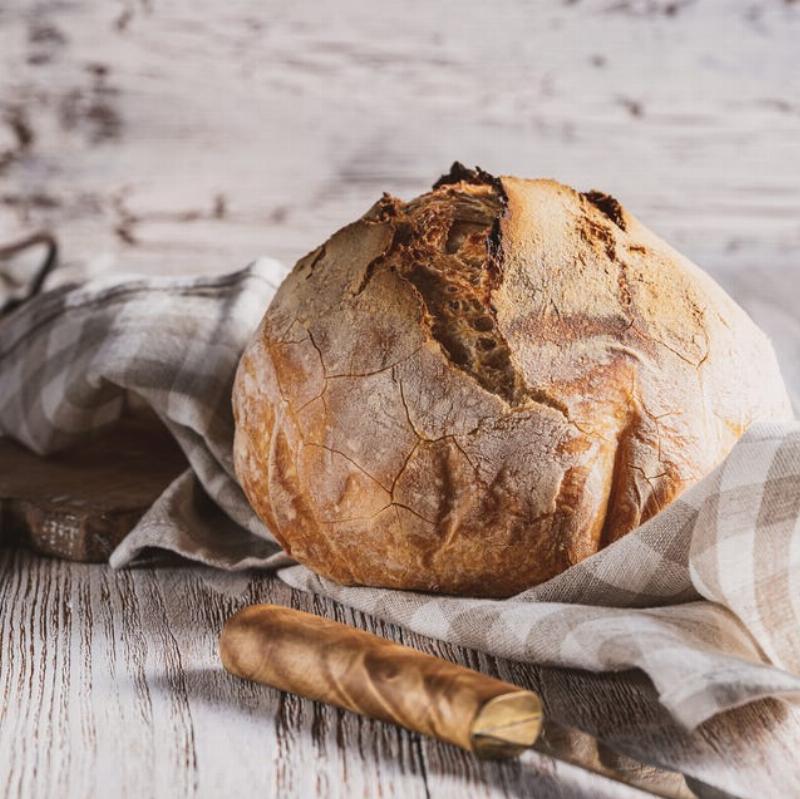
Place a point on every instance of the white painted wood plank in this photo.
(110, 684)
(192, 136)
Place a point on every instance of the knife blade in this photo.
(330, 662)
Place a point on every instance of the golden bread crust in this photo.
(472, 391)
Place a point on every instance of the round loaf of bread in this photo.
(474, 390)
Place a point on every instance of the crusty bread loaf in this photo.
(474, 390)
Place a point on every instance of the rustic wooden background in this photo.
(192, 136)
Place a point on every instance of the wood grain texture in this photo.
(110, 684)
(79, 504)
(194, 136)
(186, 136)
(321, 659)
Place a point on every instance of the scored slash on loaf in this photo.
(474, 390)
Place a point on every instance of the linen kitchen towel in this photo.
(704, 597)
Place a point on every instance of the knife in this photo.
(321, 659)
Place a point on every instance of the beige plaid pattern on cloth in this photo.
(704, 598)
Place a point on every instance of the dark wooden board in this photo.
(80, 503)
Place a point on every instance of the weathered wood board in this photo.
(110, 684)
(193, 136)
(80, 503)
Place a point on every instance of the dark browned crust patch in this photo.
(478, 177)
(608, 205)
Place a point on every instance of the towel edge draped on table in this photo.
(704, 597)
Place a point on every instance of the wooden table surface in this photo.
(193, 136)
(110, 685)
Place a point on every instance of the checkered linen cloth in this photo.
(705, 597)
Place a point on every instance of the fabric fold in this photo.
(704, 597)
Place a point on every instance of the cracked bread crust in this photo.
(472, 391)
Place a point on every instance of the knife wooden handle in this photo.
(331, 662)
